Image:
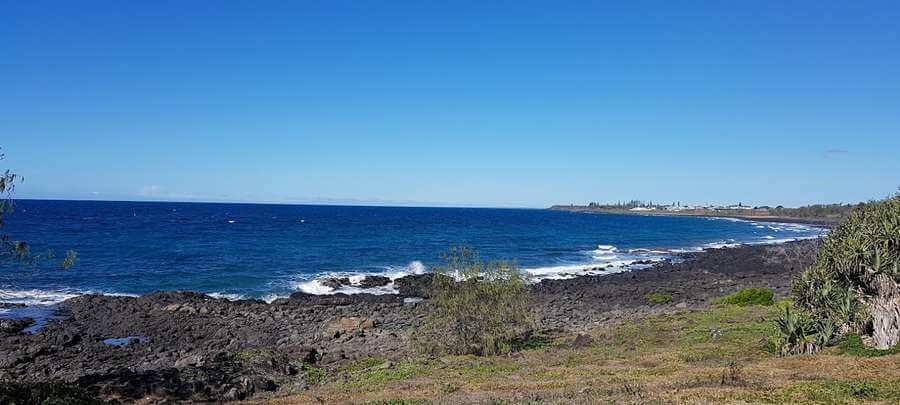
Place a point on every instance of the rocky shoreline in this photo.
(189, 346)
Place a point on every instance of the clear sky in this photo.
(494, 103)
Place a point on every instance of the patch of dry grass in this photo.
(719, 355)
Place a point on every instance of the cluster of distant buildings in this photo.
(679, 207)
(648, 206)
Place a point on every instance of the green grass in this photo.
(312, 374)
(387, 372)
(362, 364)
(716, 355)
(533, 342)
(477, 369)
(748, 296)
(836, 392)
(853, 345)
(657, 298)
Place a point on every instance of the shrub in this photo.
(313, 375)
(854, 282)
(748, 296)
(658, 298)
(477, 307)
(795, 332)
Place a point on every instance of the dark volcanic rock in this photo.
(15, 325)
(374, 281)
(336, 282)
(199, 348)
(414, 285)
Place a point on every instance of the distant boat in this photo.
(231, 221)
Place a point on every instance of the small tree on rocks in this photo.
(477, 307)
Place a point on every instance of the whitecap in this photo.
(40, 305)
(227, 296)
(317, 286)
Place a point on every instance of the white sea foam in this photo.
(40, 305)
(317, 285)
(722, 244)
(35, 297)
(605, 259)
(227, 296)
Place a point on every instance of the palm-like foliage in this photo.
(795, 332)
(854, 282)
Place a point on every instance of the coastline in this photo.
(169, 336)
(812, 221)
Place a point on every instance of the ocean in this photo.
(267, 251)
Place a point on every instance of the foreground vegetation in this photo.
(477, 307)
(854, 286)
(721, 354)
(13, 250)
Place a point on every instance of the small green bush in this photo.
(748, 296)
(313, 375)
(797, 333)
(477, 308)
(657, 298)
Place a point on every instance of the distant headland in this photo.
(821, 214)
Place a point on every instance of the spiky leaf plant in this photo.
(854, 282)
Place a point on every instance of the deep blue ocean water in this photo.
(264, 251)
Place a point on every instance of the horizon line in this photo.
(361, 203)
(385, 204)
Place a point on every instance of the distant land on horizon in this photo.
(826, 214)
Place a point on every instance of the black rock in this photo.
(414, 286)
(374, 281)
(336, 282)
(15, 325)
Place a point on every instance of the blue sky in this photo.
(491, 103)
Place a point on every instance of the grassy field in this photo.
(718, 355)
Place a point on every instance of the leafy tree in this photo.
(16, 250)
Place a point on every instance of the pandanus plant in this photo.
(854, 282)
(795, 333)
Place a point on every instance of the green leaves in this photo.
(477, 307)
(851, 268)
(16, 250)
(796, 333)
